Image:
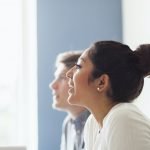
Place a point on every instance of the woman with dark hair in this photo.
(106, 79)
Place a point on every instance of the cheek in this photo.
(64, 87)
(84, 86)
(81, 82)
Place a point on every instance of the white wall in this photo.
(136, 21)
(136, 30)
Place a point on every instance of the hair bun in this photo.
(143, 53)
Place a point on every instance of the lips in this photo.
(70, 90)
(55, 96)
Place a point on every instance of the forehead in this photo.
(84, 57)
(61, 69)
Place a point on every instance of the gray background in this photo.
(68, 25)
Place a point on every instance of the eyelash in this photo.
(78, 66)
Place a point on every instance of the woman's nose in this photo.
(69, 73)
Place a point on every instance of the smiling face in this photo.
(82, 88)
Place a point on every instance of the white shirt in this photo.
(124, 128)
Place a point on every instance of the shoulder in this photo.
(125, 123)
(125, 113)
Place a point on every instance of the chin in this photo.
(70, 99)
(73, 101)
(57, 107)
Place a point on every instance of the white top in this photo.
(124, 128)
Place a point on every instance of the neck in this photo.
(101, 109)
(75, 112)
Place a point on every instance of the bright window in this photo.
(18, 73)
(136, 31)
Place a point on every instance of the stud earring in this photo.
(98, 89)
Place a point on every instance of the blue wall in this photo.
(65, 25)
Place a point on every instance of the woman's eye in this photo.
(77, 66)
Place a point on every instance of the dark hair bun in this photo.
(143, 53)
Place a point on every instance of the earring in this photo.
(98, 89)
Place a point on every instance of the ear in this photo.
(102, 83)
